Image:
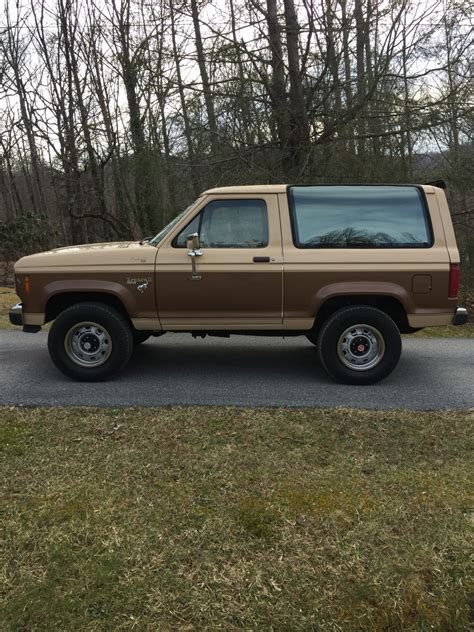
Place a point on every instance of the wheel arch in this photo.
(387, 303)
(59, 301)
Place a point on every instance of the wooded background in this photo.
(114, 115)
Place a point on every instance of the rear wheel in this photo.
(359, 345)
(90, 342)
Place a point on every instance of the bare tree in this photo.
(114, 115)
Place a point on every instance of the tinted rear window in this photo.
(359, 217)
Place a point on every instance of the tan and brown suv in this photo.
(349, 267)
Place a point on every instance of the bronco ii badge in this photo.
(141, 283)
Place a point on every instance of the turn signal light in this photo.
(454, 277)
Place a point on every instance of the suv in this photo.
(350, 267)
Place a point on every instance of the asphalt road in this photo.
(252, 371)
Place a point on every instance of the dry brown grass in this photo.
(465, 331)
(466, 299)
(221, 518)
(7, 299)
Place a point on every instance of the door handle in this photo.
(261, 259)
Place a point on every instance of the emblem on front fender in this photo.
(141, 288)
(142, 283)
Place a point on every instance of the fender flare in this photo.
(363, 288)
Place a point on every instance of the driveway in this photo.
(433, 373)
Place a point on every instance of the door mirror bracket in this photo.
(192, 242)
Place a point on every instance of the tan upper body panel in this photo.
(130, 253)
(115, 268)
(236, 292)
(250, 189)
(441, 203)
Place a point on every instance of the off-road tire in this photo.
(113, 322)
(345, 318)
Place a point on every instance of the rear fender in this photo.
(364, 288)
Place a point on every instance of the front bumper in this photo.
(16, 318)
(461, 316)
(16, 314)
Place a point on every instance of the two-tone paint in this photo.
(232, 291)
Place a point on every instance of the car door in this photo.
(238, 280)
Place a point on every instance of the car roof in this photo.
(282, 188)
(251, 188)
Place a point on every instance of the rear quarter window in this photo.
(359, 217)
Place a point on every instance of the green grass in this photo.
(222, 518)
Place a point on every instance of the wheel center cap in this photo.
(360, 346)
(89, 343)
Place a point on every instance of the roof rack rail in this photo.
(441, 184)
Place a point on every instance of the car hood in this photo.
(108, 253)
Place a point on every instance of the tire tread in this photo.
(371, 376)
(121, 351)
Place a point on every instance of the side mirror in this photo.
(192, 242)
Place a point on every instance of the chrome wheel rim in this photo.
(361, 347)
(88, 344)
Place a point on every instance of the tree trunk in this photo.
(184, 106)
(206, 87)
(300, 140)
(144, 185)
(280, 106)
(97, 181)
(346, 34)
(242, 97)
(361, 78)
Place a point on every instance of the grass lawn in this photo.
(222, 518)
(465, 331)
(9, 298)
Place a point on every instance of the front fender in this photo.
(137, 303)
(105, 287)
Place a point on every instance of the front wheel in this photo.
(139, 337)
(359, 345)
(90, 342)
(313, 338)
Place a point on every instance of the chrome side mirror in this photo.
(192, 242)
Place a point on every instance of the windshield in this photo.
(164, 231)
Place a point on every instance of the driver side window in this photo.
(192, 227)
(229, 224)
